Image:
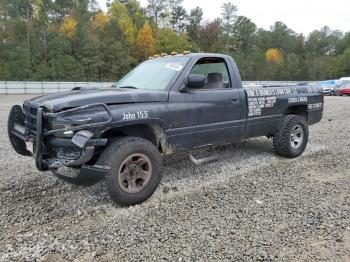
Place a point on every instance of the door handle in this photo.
(234, 100)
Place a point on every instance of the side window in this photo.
(215, 71)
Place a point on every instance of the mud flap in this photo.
(17, 117)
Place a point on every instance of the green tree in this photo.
(178, 15)
(62, 8)
(156, 8)
(194, 22)
(229, 15)
(178, 19)
(136, 13)
(341, 66)
(73, 40)
(343, 43)
(322, 42)
(169, 41)
(243, 34)
(119, 12)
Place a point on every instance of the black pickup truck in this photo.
(165, 105)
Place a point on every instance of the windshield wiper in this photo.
(128, 87)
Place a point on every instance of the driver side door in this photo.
(219, 106)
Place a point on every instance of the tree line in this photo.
(72, 40)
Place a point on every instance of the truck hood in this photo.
(110, 96)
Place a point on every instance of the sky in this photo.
(302, 16)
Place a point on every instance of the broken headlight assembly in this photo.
(65, 123)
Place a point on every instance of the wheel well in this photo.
(300, 110)
(152, 133)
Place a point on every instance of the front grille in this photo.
(30, 113)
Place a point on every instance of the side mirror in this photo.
(195, 81)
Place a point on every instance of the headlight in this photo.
(73, 119)
(68, 133)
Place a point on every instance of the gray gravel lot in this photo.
(249, 206)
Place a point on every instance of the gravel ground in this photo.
(250, 205)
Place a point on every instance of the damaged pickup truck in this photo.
(164, 106)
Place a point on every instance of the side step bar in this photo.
(204, 160)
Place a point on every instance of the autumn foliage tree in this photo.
(99, 21)
(145, 42)
(274, 61)
(274, 56)
(66, 40)
(69, 27)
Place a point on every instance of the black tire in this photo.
(115, 156)
(284, 140)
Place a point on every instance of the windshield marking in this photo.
(174, 66)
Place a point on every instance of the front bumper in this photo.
(327, 91)
(41, 144)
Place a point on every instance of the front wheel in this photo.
(292, 136)
(135, 170)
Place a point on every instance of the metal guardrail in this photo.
(274, 83)
(30, 87)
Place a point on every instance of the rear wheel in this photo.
(135, 170)
(292, 137)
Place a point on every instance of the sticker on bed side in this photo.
(256, 104)
(271, 91)
(315, 106)
(174, 66)
(297, 99)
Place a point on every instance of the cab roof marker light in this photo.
(163, 54)
(173, 53)
(186, 52)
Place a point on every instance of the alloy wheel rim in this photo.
(297, 136)
(135, 173)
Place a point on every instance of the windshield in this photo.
(153, 74)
